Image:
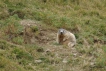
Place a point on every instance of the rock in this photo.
(38, 61)
(64, 61)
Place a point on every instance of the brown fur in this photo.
(61, 37)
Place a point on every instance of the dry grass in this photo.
(36, 49)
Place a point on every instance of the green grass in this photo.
(8, 65)
(86, 19)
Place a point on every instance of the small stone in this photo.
(38, 61)
(64, 61)
(92, 63)
(75, 54)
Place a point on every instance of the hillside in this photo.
(28, 35)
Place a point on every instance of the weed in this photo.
(101, 61)
(3, 62)
(18, 40)
(34, 28)
(3, 45)
(21, 54)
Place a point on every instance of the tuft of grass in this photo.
(22, 54)
(18, 40)
(3, 62)
(34, 28)
(8, 65)
(101, 62)
(3, 45)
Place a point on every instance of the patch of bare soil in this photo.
(43, 35)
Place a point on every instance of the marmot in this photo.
(65, 37)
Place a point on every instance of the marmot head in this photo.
(61, 31)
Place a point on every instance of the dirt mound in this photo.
(45, 37)
(35, 33)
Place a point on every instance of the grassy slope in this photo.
(86, 19)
